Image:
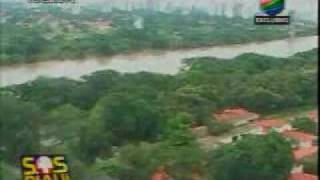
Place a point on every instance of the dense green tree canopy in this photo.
(253, 157)
(128, 117)
(101, 120)
(305, 124)
(20, 127)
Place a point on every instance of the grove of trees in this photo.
(124, 126)
(253, 157)
(28, 34)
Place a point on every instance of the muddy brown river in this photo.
(165, 62)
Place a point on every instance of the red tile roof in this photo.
(160, 174)
(300, 136)
(304, 152)
(302, 176)
(233, 114)
(270, 123)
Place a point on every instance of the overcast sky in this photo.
(306, 7)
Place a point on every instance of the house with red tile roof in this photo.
(302, 176)
(303, 139)
(301, 153)
(160, 174)
(235, 116)
(266, 125)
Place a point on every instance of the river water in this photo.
(165, 62)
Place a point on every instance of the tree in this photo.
(134, 162)
(95, 86)
(48, 93)
(94, 142)
(186, 101)
(305, 124)
(118, 119)
(128, 117)
(310, 164)
(180, 148)
(217, 128)
(65, 123)
(178, 132)
(253, 157)
(20, 124)
(177, 151)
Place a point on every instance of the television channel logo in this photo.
(269, 15)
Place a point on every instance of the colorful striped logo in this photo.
(272, 7)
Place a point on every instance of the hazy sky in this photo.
(307, 7)
(302, 7)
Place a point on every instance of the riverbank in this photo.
(163, 62)
(183, 47)
(117, 32)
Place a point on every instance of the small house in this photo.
(266, 125)
(235, 116)
(301, 153)
(303, 139)
(302, 176)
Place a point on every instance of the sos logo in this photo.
(44, 167)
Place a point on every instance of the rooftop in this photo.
(302, 176)
(270, 123)
(300, 136)
(234, 114)
(304, 152)
(160, 174)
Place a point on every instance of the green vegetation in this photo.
(21, 129)
(49, 32)
(177, 152)
(305, 124)
(125, 125)
(215, 128)
(253, 157)
(310, 164)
